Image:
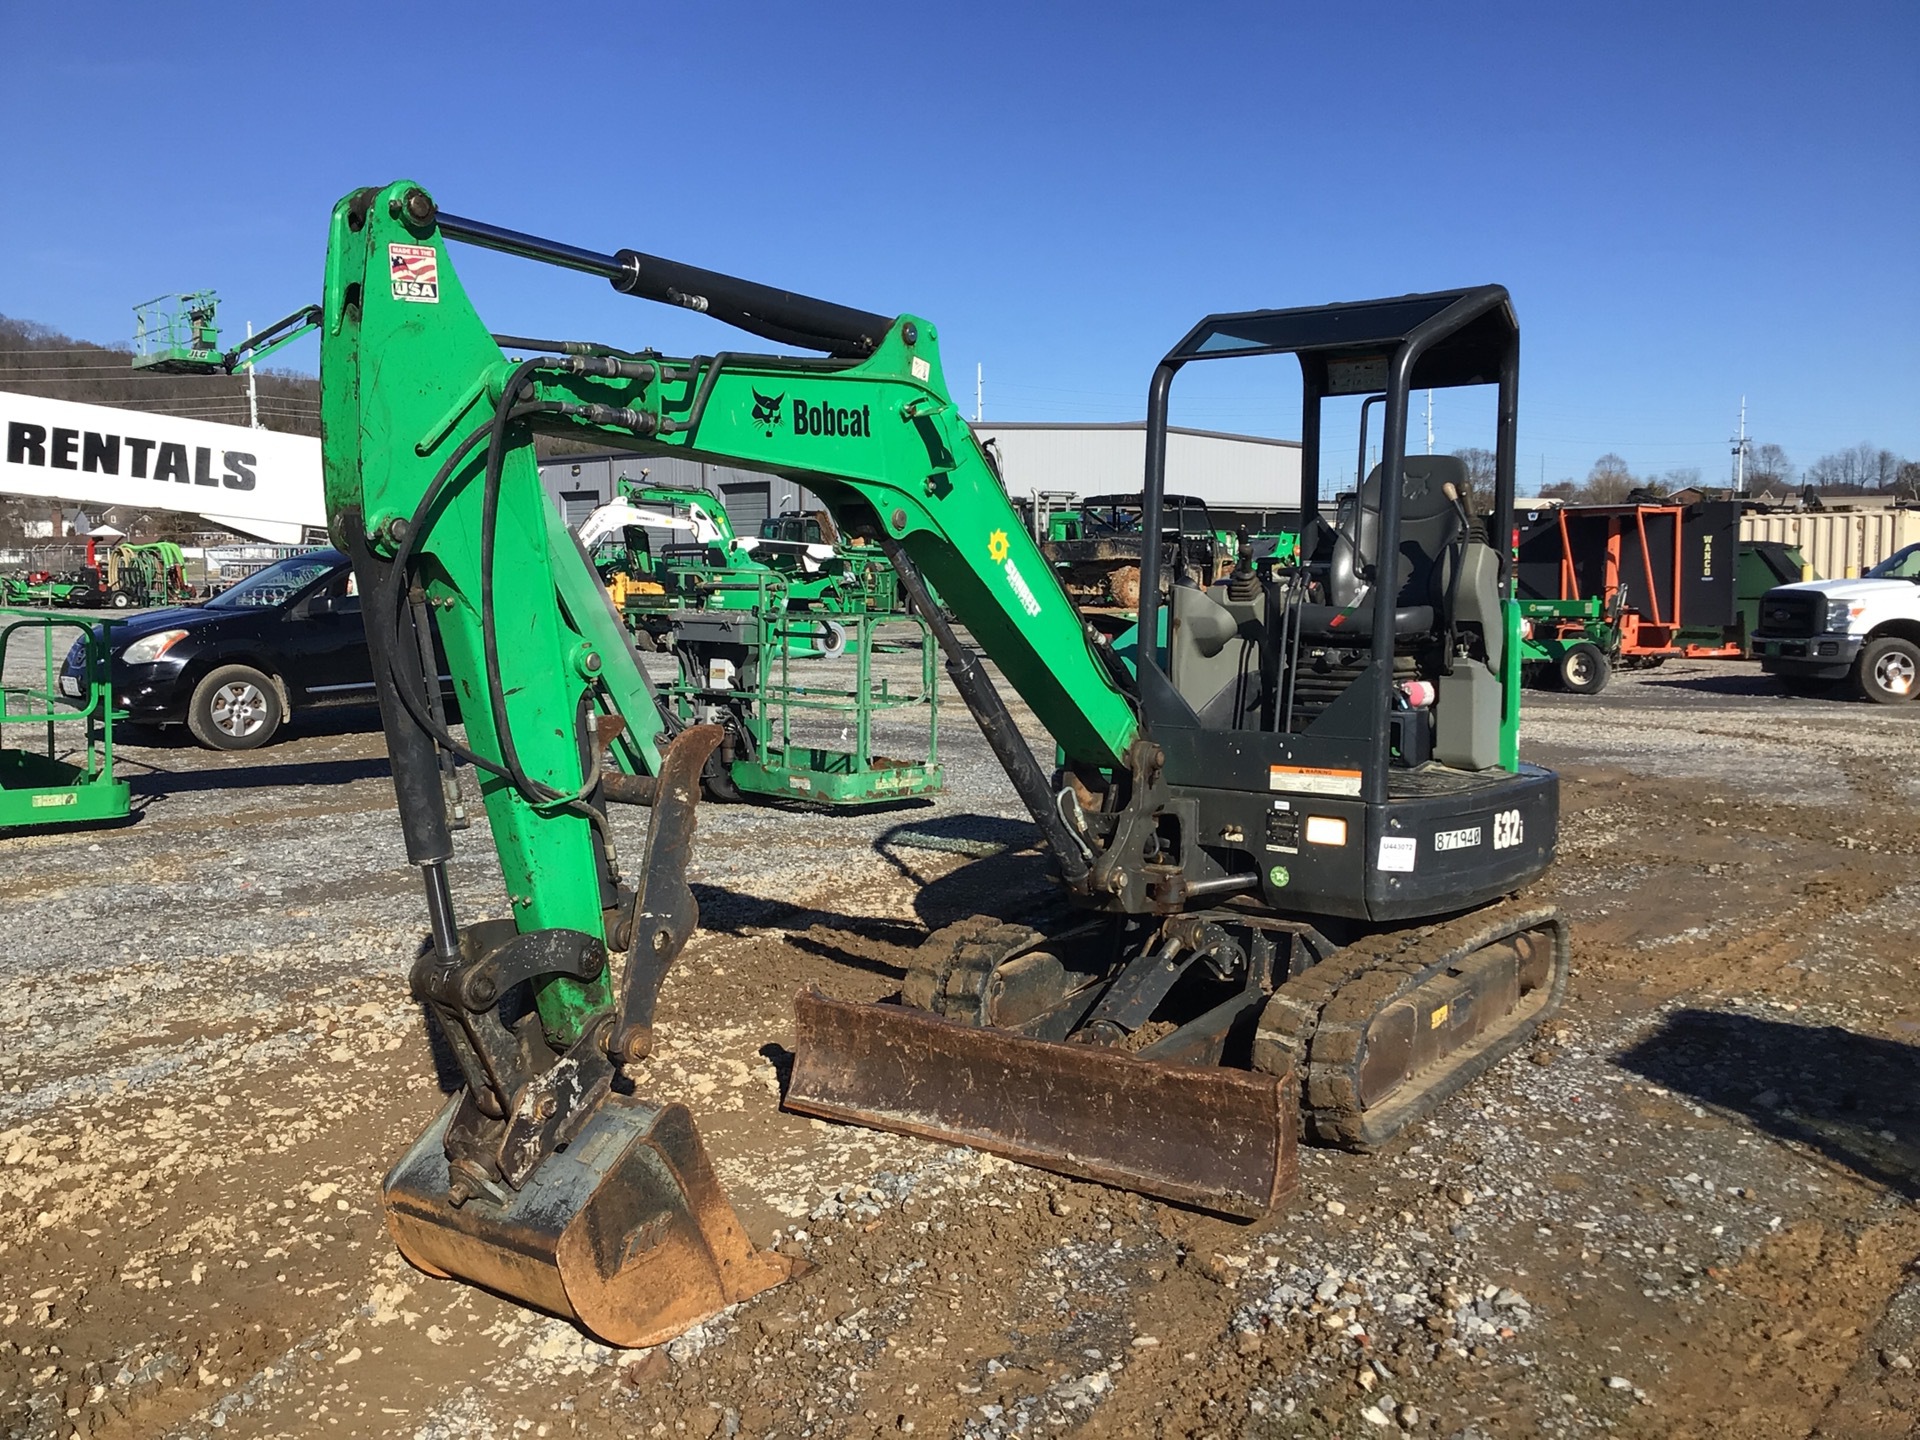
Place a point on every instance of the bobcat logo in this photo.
(766, 409)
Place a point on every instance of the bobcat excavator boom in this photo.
(1247, 809)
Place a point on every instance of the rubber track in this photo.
(953, 966)
(1317, 1021)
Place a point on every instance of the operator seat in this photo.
(1430, 532)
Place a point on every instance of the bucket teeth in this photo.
(626, 1232)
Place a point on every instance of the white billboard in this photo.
(257, 482)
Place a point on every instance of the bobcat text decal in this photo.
(847, 420)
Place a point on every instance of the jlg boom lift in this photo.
(1288, 839)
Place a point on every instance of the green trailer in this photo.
(56, 735)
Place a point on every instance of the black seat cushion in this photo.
(1429, 529)
(1353, 624)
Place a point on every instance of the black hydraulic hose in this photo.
(400, 579)
(489, 638)
(996, 723)
(566, 347)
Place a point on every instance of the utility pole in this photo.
(979, 390)
(1429, 422)
(1740, 443)
(253, 396)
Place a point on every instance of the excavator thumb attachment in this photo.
(626, 1231)
(1214, 1138)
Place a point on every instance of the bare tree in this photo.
(1857, 471)
(1906, 482)
(1609, 482)
(1684, 478)
(1768, 465)
(1479, 465)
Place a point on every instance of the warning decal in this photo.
(1313, 780)
(416, 273)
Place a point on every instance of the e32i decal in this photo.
(1508, 830)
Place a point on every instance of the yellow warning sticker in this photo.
(1438, 1018)
(997, 546)
(1313, 780)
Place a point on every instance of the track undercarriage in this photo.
(1180, 1057)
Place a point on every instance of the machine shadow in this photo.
(731, 913)
(1746, 687)
(158, 783)
(1009, 872)
(1850, 1097)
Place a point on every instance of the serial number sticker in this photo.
(922, 371)
(1315, 780)
(51, 802)
(1438, 1018)
(1457, 839)
(416, 273)
(1397, 852)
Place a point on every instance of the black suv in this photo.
(287, 639)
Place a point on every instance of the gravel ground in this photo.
(1690, 1211)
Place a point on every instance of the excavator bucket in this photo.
(1214, 1138)
(626, 1232)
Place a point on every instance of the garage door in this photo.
(747, 505)
(577, 505)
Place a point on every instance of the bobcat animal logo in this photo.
(766, 409)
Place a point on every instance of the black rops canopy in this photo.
(1476, 329)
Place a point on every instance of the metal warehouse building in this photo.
(1242, 474)
(1242, 477)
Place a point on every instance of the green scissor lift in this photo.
(45, 781)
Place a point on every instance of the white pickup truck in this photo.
(1866, 631)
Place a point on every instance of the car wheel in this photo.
(1889, 671)
(234, 708)
(1582, 669)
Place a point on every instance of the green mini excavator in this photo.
(1289, 824)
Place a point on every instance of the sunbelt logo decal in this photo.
(999, 551)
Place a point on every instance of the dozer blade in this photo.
(626, 1231)
(1217, 1139)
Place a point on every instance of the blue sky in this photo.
(1687, 202)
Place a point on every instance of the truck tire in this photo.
(1582, 669)
(1888, 672)
(121, 600)
(234, 708)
